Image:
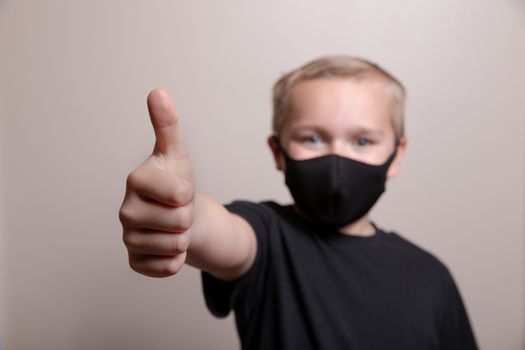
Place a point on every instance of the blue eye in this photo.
(313, 139)
(363, 142)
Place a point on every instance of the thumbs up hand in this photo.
(158, 207)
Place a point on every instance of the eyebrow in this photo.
(359, 130)
(367, 131)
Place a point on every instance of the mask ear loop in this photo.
(275, 138)
(391, 158)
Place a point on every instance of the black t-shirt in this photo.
(310, 288)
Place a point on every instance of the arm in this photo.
(165, 224)
(223, 243)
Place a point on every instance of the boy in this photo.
(317, 274)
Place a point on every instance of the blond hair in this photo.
(338, 67)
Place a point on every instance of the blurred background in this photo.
(74, 76)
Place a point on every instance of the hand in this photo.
(158, 207)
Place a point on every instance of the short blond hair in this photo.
(340, 66)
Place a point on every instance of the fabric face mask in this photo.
(333, 190)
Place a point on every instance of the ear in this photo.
(276, 152)
(394, 167)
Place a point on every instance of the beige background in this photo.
(74, 76)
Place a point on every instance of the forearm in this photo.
(222, 243)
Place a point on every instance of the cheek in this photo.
(375, 155)
(365, 158)
(299, 152)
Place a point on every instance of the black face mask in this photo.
(335, 191)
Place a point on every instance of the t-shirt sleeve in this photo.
(223, 296)
(456, 331)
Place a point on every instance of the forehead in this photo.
(341, 101)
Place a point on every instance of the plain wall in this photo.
(74, 78)
(3, 260)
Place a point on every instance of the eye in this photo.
(313, 139)
(362, 142)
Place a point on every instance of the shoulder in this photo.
(423, 271)
(415, 256)
(257, 213)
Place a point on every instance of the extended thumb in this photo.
(165, 123)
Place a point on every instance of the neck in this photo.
(362, 227)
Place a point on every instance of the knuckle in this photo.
(169, 270)
(129, 216)
(184, 218)
(179, 244)
(183, 242)
(133, 179)
(178, 220)
(154, 267)
(125, 215)
(182, 192)
(130, 240)
(174, 265)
